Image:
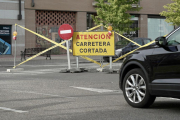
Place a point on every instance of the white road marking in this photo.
(13, 110)
(65, 31)
(97, 90)
(31, 92)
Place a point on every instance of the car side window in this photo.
(174, 39)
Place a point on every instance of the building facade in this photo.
(46, 16)
(11, 14)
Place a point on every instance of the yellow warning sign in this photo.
(93, 44)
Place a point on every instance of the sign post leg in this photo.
(110, 59)
(102, 28)
(15, 49)
(68, 57)
(101, 61)
(77, 62)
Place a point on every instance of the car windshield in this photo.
(146, 41)
(174, 39)
(138, 41)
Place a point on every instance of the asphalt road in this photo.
(42, 93)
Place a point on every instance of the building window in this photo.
(158, 27)
(48, 23)
(122, 42)
(90, 22)
(133, 34)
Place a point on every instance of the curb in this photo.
(91, 70)
(74, 70)
(15, 70)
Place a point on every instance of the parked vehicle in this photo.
(118, 45)
(129, 47)
(152, 71)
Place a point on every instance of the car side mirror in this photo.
(161, 41)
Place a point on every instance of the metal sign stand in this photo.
(102, 28)
(14, 68)
(68, 57)
(77, 70)
(73, 70)
(77, 62)
(15, 50)
(65, 32)
(110, 59)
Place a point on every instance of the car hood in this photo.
(145, 50)
(148, 47)
(119, 50)
(140, 55)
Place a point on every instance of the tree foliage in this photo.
(115, 13)
(173, 12)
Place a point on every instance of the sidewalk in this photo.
(8, 60)
(64, 56)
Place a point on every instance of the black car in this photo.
(152, 71)
(129, 47)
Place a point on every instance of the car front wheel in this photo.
(135, 89)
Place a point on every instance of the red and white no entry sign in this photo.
(65, 31)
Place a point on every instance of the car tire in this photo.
(136, 89)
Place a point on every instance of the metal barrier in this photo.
(84, 57)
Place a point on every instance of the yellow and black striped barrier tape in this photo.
(70, 50)
(56, 44)
(129, 53)
(94, 28)
(38, 54)
(91, 60)
(126, 38)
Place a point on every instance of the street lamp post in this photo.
(14, 37)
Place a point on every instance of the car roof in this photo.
(143, 38)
